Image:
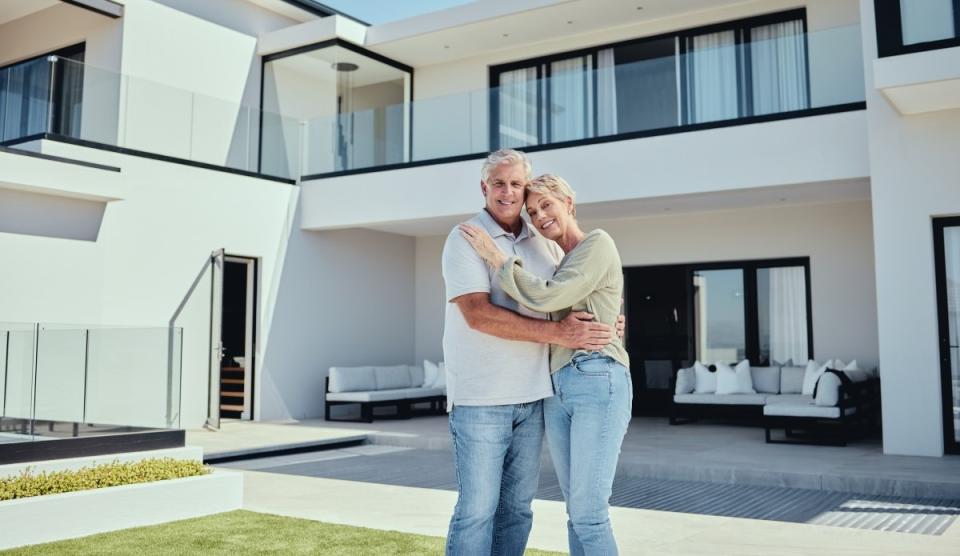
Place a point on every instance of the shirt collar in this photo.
(496, 231)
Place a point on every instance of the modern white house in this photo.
(272, 180)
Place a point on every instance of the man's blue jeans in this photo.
(586, 421)
(496, 451)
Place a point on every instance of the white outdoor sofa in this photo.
(399, 386)
(845, 402)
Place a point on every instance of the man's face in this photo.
(503, 191)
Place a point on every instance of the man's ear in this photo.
(483, 189)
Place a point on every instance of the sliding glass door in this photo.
(947, 259)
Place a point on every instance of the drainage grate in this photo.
(434, 469)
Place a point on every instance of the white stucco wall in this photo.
(836, 236)
(914, 168)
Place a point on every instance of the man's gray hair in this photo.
(505, 156)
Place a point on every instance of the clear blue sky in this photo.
(381, 11)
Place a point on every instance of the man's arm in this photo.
(576, 331)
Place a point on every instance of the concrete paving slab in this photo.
(427, 511)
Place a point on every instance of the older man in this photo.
(496, 354)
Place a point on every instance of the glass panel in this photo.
(718, 309)
(16, 404)
(346, 109)
(60, 375)
(927, 20)
(782, 315)
(645, 88)
(133, 377)
(712, 82)
(518, 108)
(571, 99)
(778, 61)
(951, 255)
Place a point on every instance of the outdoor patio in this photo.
(706, 452)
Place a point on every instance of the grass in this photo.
(243, 532)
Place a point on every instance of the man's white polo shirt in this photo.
(484, 369)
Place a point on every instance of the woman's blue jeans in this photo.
(586, 421)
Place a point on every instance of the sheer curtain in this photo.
(711, 76)
(518, 108)
(69, 83)
(571, 94)
(788, 314)
(778, 57)
(606, 93)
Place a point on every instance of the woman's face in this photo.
(550, 215)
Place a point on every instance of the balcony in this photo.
(59, 99)
(679, 119)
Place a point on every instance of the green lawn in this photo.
(243, 532)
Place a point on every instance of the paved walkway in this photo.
(248, 437)
(426, 511)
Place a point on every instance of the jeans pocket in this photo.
(596, 366)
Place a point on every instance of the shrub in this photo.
(100, 476)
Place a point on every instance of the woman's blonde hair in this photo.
(555, 186)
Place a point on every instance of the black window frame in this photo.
(741, 26)
(267, 58)
(889, 25)
(751, 312)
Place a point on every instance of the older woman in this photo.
(588, 415)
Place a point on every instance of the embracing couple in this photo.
(532, 344)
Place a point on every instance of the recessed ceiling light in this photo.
(639, 8)
(505, 35)
(666, 209)
(446, 46)
(782, 199)
(569, 22)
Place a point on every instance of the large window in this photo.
(753, 310)
(905, 26)
(734, 70)
(43, 94)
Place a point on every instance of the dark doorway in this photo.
(658, 333)
(238, 337)
(946, 239)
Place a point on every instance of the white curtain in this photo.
(571, 93)
(606, 93)
(788, 314)
(711, 74)
(518, 107)
(779, 67)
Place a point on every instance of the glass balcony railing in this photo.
(78, 101)
(712, 83)
(68, 381)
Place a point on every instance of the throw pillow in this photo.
(441, 381)
(686, 381)
(706, 382)
(851, 366)
(430, 372)
(735, 381)
(812, 374)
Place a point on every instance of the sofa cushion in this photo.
(706, 382)
(720, 399)
(417, 377)
(425, 392)
(766, 380)
(441, 381)
(791, 380)
(788, 398)
(352, 379)
(686, 381)
(430, 370)
(812, 373)
(372, 396)
(827, 391)
(734, 381)
(804, 410)
(391, 378)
